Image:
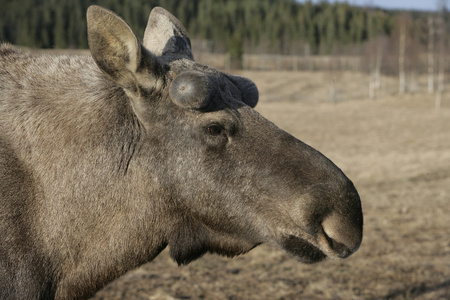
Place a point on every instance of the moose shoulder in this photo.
(106, 160)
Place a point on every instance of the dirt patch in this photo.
(397, 152)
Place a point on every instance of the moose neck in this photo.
(106, 221)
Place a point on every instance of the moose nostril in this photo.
(343, 236)
(340, 249)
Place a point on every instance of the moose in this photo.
(107, 159)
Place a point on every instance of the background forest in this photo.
(283, 27)
(259, 34)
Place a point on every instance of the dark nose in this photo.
(343, 227)
(341, 250)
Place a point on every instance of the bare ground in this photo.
(397, 152)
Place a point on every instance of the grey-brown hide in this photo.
(106, 160)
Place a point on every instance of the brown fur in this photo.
(100, 169)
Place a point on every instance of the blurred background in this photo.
(403, 39)
(365, 82)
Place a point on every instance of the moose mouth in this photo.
(301, 249)
(315, 250)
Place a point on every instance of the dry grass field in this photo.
(397, 152)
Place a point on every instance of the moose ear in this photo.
(114, 47)
(165, 35)
(248, 89)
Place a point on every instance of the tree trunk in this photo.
(430, 54)
(401, 59)
(441, 62)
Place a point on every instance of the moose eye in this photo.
(214, 130)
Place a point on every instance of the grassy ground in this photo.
(397, 152)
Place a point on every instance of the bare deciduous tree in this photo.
(441, 34)
(401, 55)
(431, 33)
